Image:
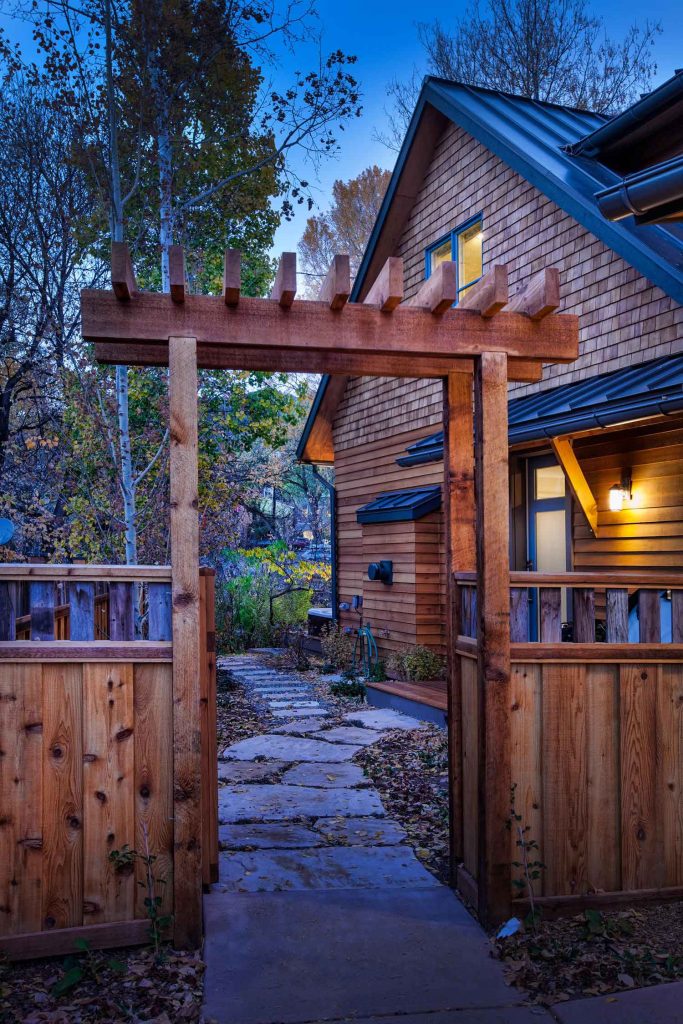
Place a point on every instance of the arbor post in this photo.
(491, 485)
(459, 517)
(187, 790)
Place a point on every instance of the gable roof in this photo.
(532, 138)
(634, 393)
(541, 141)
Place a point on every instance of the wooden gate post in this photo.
(459, 514)
(187, 791)
(491, 484)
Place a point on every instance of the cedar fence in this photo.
(596, 741)
(87, 751)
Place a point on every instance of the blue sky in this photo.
(383, 35)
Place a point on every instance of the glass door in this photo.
(547, 531)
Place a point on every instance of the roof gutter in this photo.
(592, 145)
(643, 193)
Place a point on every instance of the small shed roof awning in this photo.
(401, 506)
(634, 393)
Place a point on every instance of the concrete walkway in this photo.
(323, 913)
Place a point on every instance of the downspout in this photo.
(332, 490)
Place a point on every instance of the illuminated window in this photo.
(464, 246)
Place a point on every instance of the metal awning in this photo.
(401, 506)
(634, 393)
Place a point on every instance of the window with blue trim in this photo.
(464, 245)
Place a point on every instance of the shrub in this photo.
(337, 647)
(416, 664)
(351, 688)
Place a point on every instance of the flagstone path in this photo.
(324, 914)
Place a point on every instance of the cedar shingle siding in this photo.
(623, 320)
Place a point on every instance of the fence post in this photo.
(458, 500)
(8, 611)
(42, 605)
(81, 611)
(187, 791)
(491, 482)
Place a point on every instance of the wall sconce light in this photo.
(621, 492)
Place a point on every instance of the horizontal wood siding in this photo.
(411, 610)
(648, 532)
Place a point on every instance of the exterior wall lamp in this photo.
(621, 492)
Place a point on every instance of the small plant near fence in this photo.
(337, 648)
(530, 865)
(417, 664)
(124, 861)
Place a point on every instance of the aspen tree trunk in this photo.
(125, 454)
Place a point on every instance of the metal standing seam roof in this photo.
(531, 137)
(401, 506)
(541, 141)
(633, 393)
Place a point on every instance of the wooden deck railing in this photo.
(598, 607)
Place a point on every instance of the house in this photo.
(596, 446)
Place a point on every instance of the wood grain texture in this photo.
(526, 759)
(489, 295)
(284, 286)
(565, 811)
(232, 277)
(21, 789)
(470, 765)
(386, 292)
(97, 650)
(616, 611)
(176, 272)
(519, 615)
(584, 615)
(42, 601)
(62, 897)
(72, 571)
(580, 487)
(603, 853)
(159, 605)
(153, 741)
(439, 291)
(459, 516)
(187, 791)
(641, 853)
(81, 611)
(493, 620)
(108, 790)
(8, 601)
(148, 321)
(39, 944)
(122, 273)
(669, 729)
(121, 611)
(336, 287)
(550, 614)
(540, 296)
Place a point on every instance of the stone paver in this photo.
(300, 713)
(302, 726)
(329, 775)
(273, 836)
(350, 734)
(383, 718)
(361, 831)
(288, 748)
(335, 867)
(334, 918)
(248, 771)
(275, 802)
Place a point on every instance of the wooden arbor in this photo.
(477, 347)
